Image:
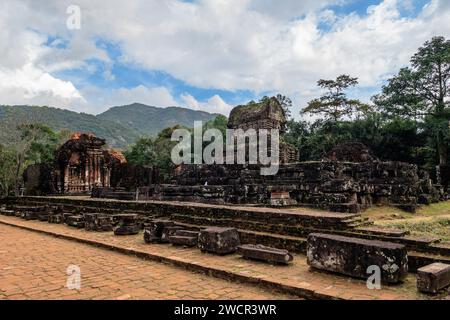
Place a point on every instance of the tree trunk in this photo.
(17, 175)
(442, 149)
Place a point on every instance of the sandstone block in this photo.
(263, 253)
(183, 241)
(353, 256)
(219, 240)
(434, 277)
(97, 222)
(154, 230)
(127, 224)
(55, 218)
(76, 221)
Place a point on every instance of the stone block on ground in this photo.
(168, 232)
(42, 216)
(353, 256)
(29, 215)
(76, 221)
(219, 240)
(66, 216)
(267, 254)
(97, 222)
(6, 212)
(55, 218)
(434, 277)
(187, 241)
(127, 224)
(187, 233)
(154, 230)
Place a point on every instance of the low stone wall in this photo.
(330, 185)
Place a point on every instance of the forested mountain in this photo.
(120, 126)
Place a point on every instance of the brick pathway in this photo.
(297, 277)
(33, 266)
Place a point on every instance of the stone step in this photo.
(384, 232)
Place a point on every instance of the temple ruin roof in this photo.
(252, 112)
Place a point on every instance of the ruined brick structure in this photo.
(83, 164)
(264, 115)
(348, 179)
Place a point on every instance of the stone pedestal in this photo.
(219, 240)
(353, 256)
(267, 254)
(434, 277)
(128, 224)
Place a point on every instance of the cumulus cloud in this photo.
(256, 45)
(215, 104)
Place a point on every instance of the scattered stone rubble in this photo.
(345, 255)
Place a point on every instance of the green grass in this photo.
(432, 220)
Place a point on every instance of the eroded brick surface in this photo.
(33, 266)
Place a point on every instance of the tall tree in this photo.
(334, 103)
(421, 92)
(34, 143)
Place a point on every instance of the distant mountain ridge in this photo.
(120, 126)
(149, 120)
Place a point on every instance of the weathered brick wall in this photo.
(336, 186)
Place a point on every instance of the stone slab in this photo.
(353, 256)
(264, 253)
(434, 277)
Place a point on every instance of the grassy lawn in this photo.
(433, 220)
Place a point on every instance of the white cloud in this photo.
(256, 45)
(215, 104)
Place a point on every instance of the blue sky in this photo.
(208, 54)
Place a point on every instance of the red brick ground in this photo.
(298, 275)
(33, 266)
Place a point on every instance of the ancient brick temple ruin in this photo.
(83, 165)
(348, 179)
